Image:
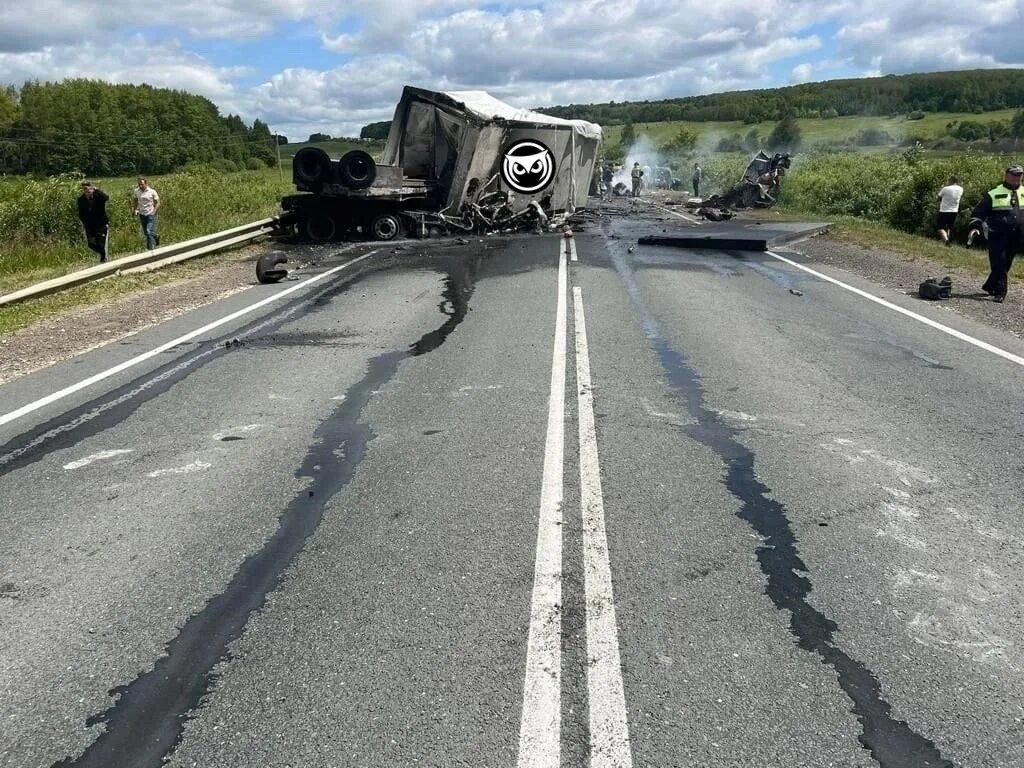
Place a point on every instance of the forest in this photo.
(102, 129)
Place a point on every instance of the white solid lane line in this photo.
(540, 727)
(895, 308)
(606, 700)
(77, 387)
(571, 245)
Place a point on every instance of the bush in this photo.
(900, 191)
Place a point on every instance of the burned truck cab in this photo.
(454, 162)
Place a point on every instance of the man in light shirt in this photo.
(949, 207)
(147, 203)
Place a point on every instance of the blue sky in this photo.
(321, 65)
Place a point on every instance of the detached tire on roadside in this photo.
(267, 270)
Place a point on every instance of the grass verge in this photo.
(107, 290)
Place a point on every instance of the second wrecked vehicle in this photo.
(459, 161)
(760, 185)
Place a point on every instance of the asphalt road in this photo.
(484, 505)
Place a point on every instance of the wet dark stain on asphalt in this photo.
(891, 742)
(110, 409)
(146, 723)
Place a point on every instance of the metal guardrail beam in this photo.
(158, 257)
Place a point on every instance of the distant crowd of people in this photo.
(92, 212)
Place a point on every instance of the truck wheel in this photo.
(386, 226)
(356, 169)
(320, 227)
(311, 165)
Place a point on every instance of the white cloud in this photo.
(801, 73)
(529, 52)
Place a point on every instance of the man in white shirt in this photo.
(147, 203)
(949, 207)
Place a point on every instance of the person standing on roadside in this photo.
(698, 177)
(949, 207)
(637, 175)
(92, 212)
(1000, 210)
(608, 176)
(146, 203)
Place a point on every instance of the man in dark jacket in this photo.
(1000, 211)
(92, 211)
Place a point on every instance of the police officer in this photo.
(1000, 210)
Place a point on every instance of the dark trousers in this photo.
(96, 237)
(1002, 247)
(696, 188)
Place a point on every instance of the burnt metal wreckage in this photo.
(454, 163)
(758, 188)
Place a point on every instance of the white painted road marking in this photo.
(540, 727)
(895, 308)
(188, 469)
(7, 418)
(606, 700)
(570, 248)
(101, 456)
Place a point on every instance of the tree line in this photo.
(967, 91)
(103, 129)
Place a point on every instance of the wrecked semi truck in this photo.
(459, 161)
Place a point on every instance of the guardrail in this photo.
(148, 260)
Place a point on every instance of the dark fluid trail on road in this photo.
(107, 411)
(892, 743)
(148, 719)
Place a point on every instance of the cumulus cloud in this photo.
(528, 52)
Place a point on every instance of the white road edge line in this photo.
(609, 728)
(540, 727)
(895, 308)
(42, 402)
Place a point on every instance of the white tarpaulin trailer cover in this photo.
(457, 142)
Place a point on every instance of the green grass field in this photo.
(815, 131)
(40, 236)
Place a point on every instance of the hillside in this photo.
(971, 91)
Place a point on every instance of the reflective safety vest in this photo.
(1004, 198)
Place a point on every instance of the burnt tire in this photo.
(356, 169)
(385, 226)
(267, 270)
(311, 166)
(320, 227)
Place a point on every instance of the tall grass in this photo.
(40, 235)
(900, 191)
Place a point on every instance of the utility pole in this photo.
(277, 146)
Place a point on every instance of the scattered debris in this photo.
(933, 290)
(708, 242)
(795, 292)
(715, 214)
(267, 269)
(760, 185)
(631, 249)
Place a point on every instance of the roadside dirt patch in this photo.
(901, 273)
(65, 335)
